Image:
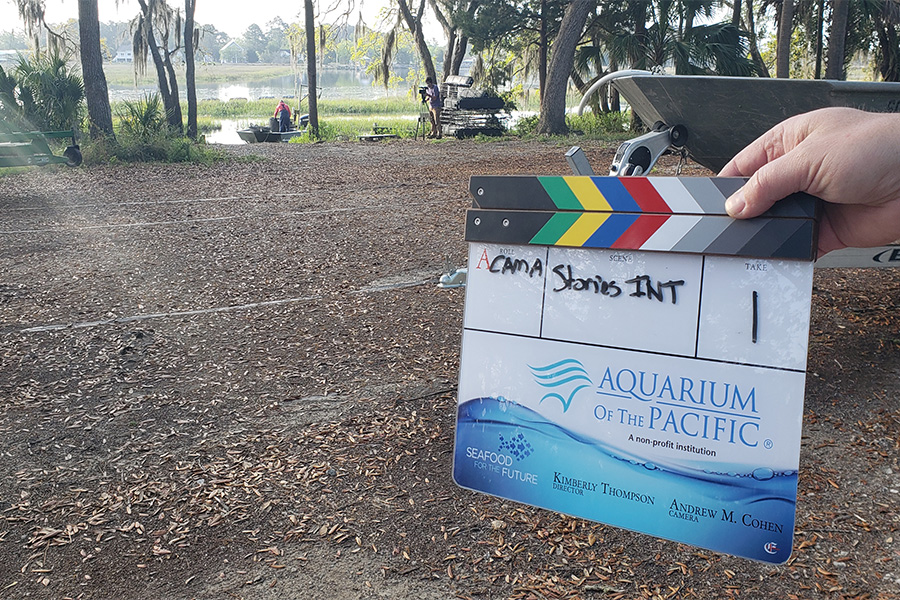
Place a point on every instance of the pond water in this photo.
(333, 85)
(228, 133)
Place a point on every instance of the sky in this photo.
(230, 16)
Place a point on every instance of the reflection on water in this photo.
(228, 133)
(332, 84)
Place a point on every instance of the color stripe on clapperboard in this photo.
(678, 214)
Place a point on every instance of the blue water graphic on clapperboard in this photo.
(508, 450)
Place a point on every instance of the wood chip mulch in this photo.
(238, 381)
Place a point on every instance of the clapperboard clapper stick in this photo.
(634, 356)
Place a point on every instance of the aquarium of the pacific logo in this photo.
(563, 380)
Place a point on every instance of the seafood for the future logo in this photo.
(565, 378)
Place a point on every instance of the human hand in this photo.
(847, 157)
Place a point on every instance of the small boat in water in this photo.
(255, 134)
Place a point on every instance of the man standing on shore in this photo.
(435, 104)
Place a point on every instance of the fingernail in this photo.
(734, 206)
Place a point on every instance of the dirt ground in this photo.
(238, 381)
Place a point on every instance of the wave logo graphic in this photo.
(566, 378)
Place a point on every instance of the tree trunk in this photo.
(736, 14)
(176, 121)
(462, 41)
(170, 104)
(640, 32)
(783, 45)
(459, 53)
(96, 92)
(311, 69)
(415, 27)
(161, 78)
(889, 61)
(682, 63)
(451, 34)
(553, 101)
(820, 26)
(447, 67)
(639, 16)
(836, 39)
(761, 67)
(189, 70)
(543, 42)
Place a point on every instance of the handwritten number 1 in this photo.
(755, 316)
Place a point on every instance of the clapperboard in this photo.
(633, 356)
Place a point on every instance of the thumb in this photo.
(769, 184)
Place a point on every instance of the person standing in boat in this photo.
(283, 112)
(435, 104)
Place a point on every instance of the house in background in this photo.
(232, 52)
(125, 54)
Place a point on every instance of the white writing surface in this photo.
(755, 311)
(661, 392)
(639, 300)
(505, 288)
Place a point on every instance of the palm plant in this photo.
(41, 93)
(672, 38)
(143, 119)
(50, 94)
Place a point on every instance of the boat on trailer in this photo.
(721, 115)
(711, 119)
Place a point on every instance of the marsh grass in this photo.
(347, 120)
(350, 128)
(256, 109)
(142, 135)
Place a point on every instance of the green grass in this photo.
(605, 127)
(350, 128)
(234, 109)
(6, 171)
(338, 119)
(257, 109)
(380, 106)
(208, 125)
(157, 147)
(348, 119)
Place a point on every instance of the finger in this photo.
(828, 239)
(770, 183)
(747, 161)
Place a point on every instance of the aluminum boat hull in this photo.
(724, 114)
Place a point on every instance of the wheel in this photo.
(640, 157)
(73, 156)
(678, 136)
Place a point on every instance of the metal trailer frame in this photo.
(31, 148)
